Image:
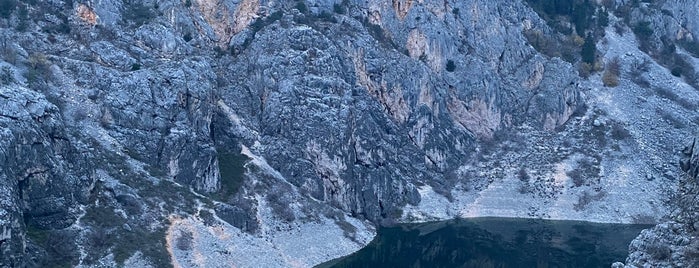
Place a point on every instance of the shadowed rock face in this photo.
(126, 118)
(39, 187)
(674, 243)
(372, 121)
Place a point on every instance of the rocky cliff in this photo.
(674, 243)
(199, 132)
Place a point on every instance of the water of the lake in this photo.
(495, 242)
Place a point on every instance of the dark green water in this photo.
(495, 242)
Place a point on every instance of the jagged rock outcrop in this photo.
(255, 121)
(42, 174)
(674, 243)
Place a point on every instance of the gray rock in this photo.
(674, 243)
(33, 149)
(306, 114)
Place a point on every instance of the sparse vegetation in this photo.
(643, 30)
(138, 14)
(584, 70)
(151, 244)
(62, 27)
(378, 33)
(102, 217)
(7, 76)
(279, 202)
(260, 23)
(524, 178)
(545, 44)
(22, 17)
(644, 34)
(566, 16)
(637, 70)
(184, 241)
(577, 177)
(586, 198)
(586, 173)
(610, 78)
(669, 94)
(619, 132)
(232, 172)
(7, 52)
(38, 69)
(659, 250)
(61, 250)
(690, 46)
(98, 241)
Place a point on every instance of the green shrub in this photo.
(423, 57)
(326, 16)
(577, 177)
(7, 76)
(151, 244)
(339, 9)
(586, 198)
(23, 17)
(138, 14)
(610, 78)
(643, 30)
(523, 176)
(450, 66)
(7, 7)
(643, 33)
(584, 70)
(7, 52)
(231, 171)
(588, 50)
(378, 33)
(659, 251)
(676, 71)
(135, 67)
(619, 132)
(260, 23)
(184, 241)
(602, 18)
(38, 69)
(301, 6)
(187, 37)
(62, 27)
(102, 216)
(691, 46)
(61, 249)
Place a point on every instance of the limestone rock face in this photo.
(147, 133)
(39, 185)
(674, 243)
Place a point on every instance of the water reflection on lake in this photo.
(495, 242)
